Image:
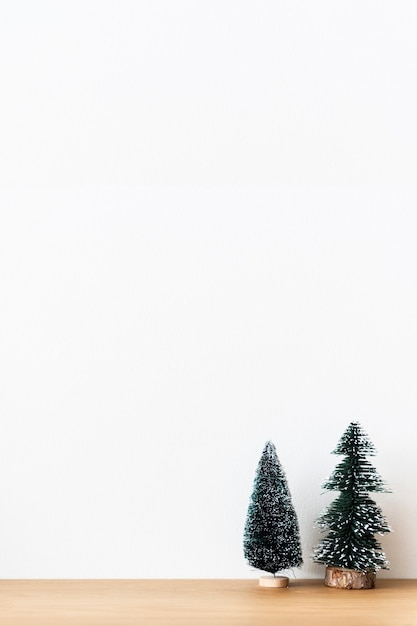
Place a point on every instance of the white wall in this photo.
(184, 92)
(153, 340)
(207, 239)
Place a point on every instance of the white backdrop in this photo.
(207, 239)
(153, 340)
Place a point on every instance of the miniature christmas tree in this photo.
(271, 537)
(353, 518)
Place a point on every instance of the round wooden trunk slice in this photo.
(349, 578)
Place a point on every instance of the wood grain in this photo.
(203, 603)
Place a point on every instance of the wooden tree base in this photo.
(349, 578)
(274, 581)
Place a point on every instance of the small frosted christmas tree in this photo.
(271, 536)
(353, 518)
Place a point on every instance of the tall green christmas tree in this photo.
(271, 536)
(353, 518)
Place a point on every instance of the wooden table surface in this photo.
(203, 603)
